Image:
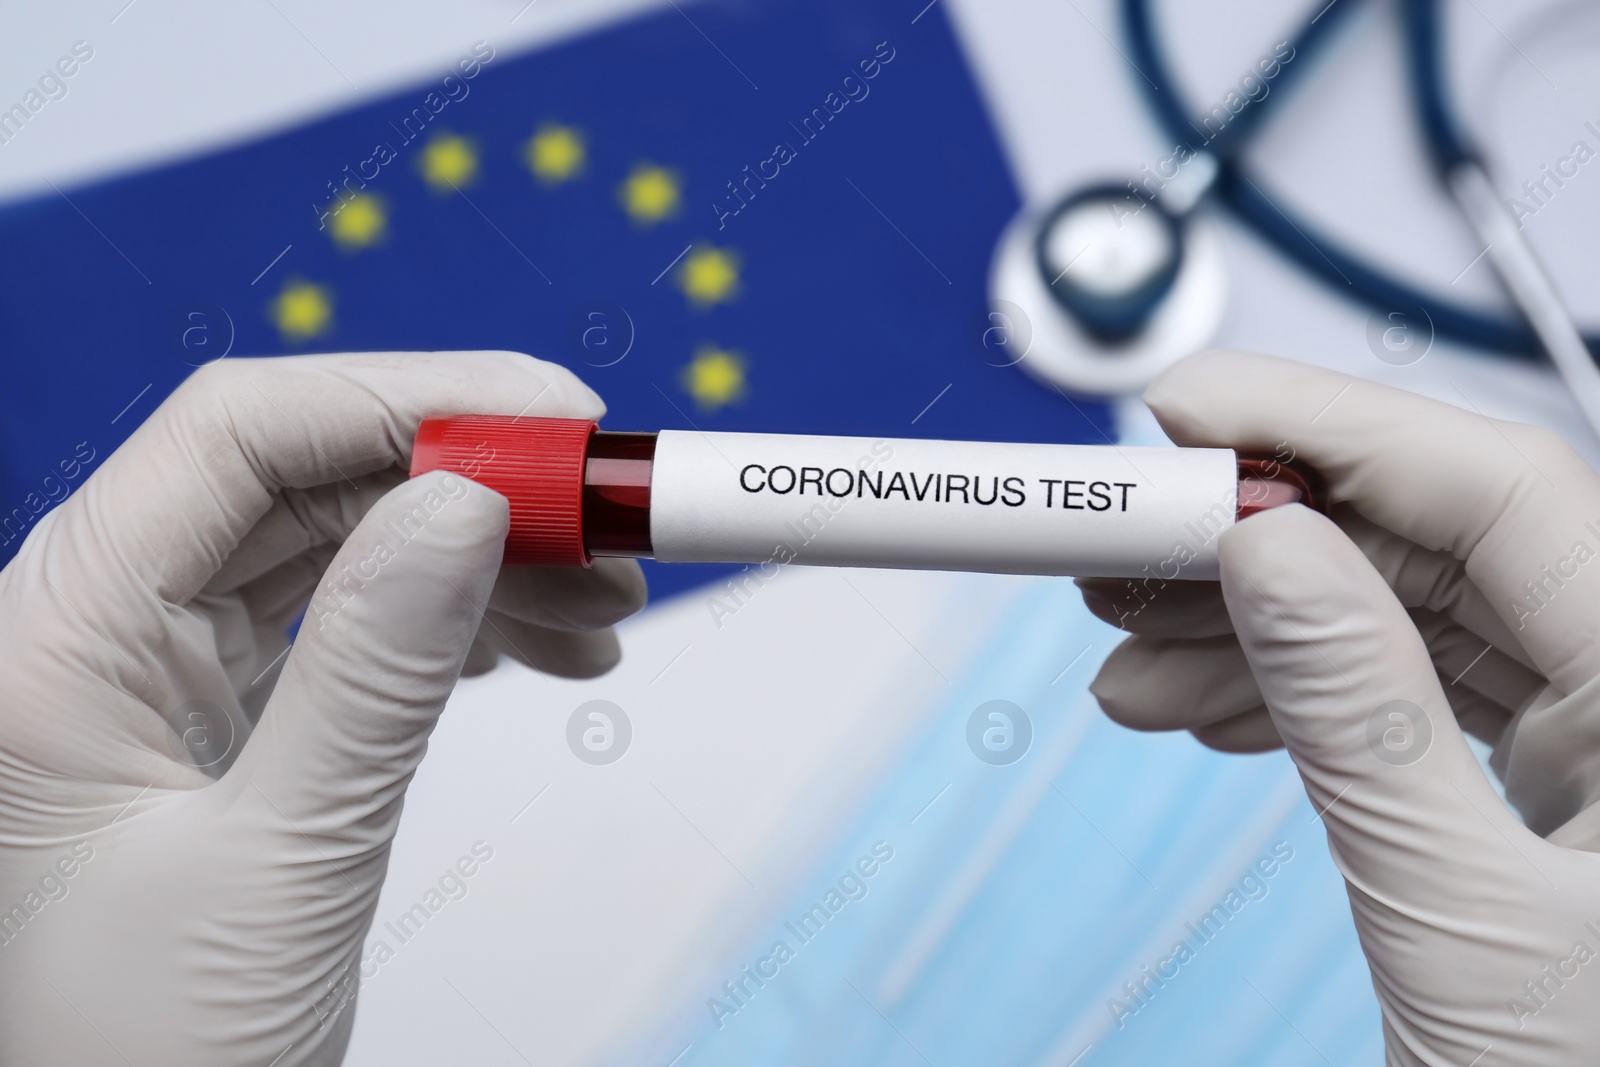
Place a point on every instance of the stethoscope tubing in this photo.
(1250, 199)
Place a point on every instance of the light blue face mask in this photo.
(1106, 898)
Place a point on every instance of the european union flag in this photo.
(730, 215)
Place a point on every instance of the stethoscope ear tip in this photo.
(1101, 291)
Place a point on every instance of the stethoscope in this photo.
(1116, 282)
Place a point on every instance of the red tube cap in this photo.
(535, 463)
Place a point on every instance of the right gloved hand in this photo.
(1460, 589)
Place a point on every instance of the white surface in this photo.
(601, 895)
(1131, 511)
(620, 891)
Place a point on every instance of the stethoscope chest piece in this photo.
(1109, 293)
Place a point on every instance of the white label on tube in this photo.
(1086, 510)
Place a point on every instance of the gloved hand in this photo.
(193, 833)
(1457, 590)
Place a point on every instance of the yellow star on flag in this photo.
(302, 310)
(651, 194)
(359, 223)
(448, 162)
(556, 154)
(715, 377)
(709, 276)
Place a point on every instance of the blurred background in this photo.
(574, 180)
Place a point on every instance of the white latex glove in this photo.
(1482, 933)
(164, 915)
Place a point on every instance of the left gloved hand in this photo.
(194, 827)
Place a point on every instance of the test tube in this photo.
(1102, 511)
